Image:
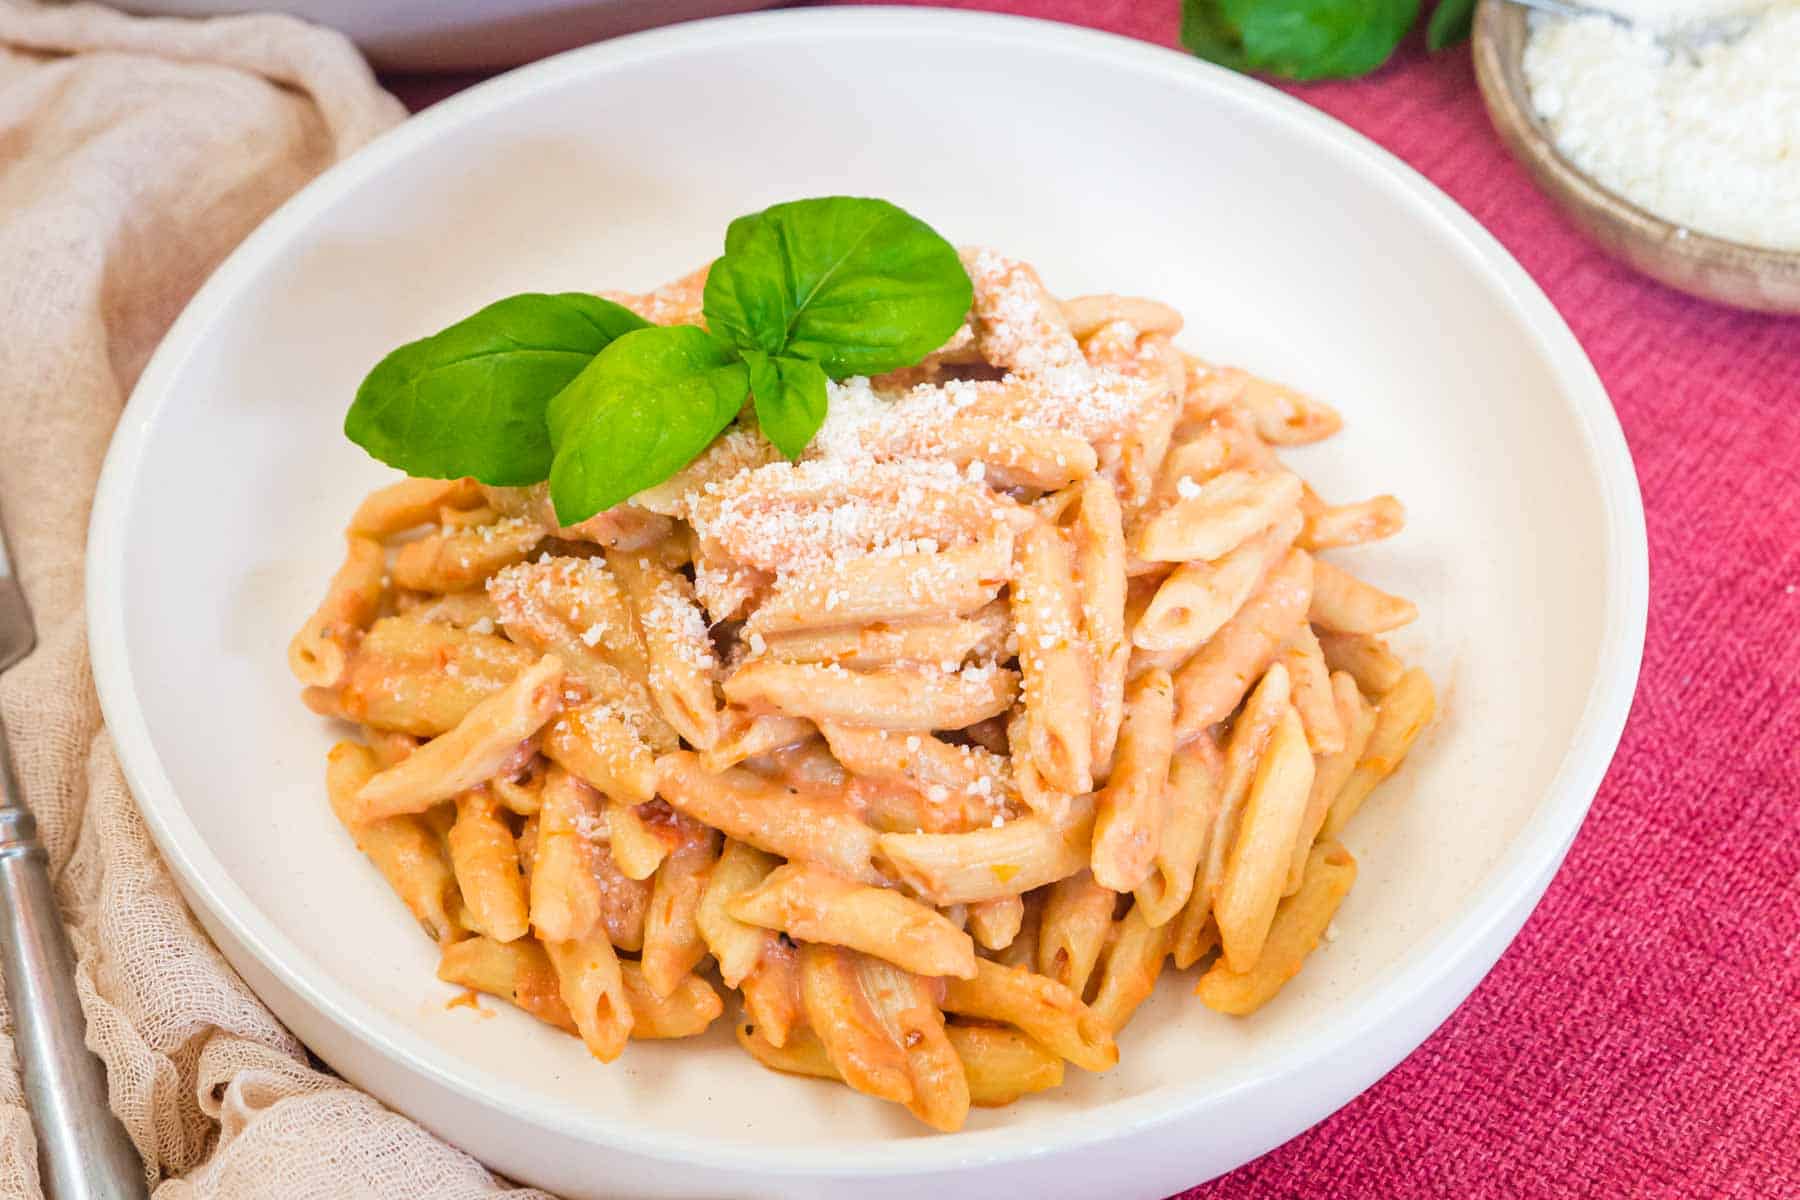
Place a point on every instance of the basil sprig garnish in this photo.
(584, 393)
(1314, 39)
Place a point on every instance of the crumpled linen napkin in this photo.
(134, 154)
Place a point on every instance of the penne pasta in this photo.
(1129, 973)
(478, 749)
(1073, 926)
(886, 587)
(423, 678)
(678, 648)
(771, 817)
(672, 943)
(736, 945)
(410, 503)
(1400, 717)
(485, 858)
(1256, 872)
(1196, 599)
(1284, 416)
(1195, 773)
(1332, 770)
(1096, 531)
(455, 560)
(813, 905)
(320, 652)
(564, 890)
(1215, 680)
(403, 848)
(593, 988)
(1208, 520)
(986, 864)
(1300, 921)
(1310, 679)
(772, 993)
(1037, 1006)
(1375, 668)
(1057, 672)
(1133, 807)
(909, 699)
(1328, 526)
(995, 923)
(1343, 603)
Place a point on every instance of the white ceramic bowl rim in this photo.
(1544, 839)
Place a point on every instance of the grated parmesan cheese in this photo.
(1712, 145)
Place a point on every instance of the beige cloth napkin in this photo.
(133, 155)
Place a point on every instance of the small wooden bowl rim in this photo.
(1714, 268)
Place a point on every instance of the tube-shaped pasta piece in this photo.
(854, 1037)
(813, 905)
(1250, 733)
(1058, 676)
(921, 761)
(736, 945)
(1299, 923)
(1198, 598)
(1000, 1064)
(1128, 974)
(936, 640)
(564, 890)
(1038, 1006)
(986, 864)
(1194, 777)
(907, 1010)
(600, 744)
(485, 857)
(1343, 603)
(1285, 417)
(886, 587)
(576, 609)
(777, 819)
(1133, 807)
(1011, 456)
(1330, 525)
(679, 649)
(995, 923)
(1256, 873)
(1096, 531)
(593, 987)
(474, 752)
(1086, 314)
(624, 902)
(518, 972)
(401, 506)
(1072, 929)
(463, 610)
(1312, 695)
(404, 848)
(903, 698)
(744, 736)
(636, 847)
(1375, 668)
(320, 652)
(456, 560)
(1022, 951)
(1332, 771)
(1003, 1064)
(688, 1008)
(1208, 520)
(1212, 683)
(422, 678)
(672, 942)
(1144, 446)
(772, 993)
(1400, 717)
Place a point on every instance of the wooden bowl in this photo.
(1713, 268)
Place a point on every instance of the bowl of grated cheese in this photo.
(1686, 169)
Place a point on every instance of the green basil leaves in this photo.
(470, 400)
(858, 286)
(586, 394)
(1313, 39)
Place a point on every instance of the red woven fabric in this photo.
(1642, 1036)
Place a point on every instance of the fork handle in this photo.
(83, 1151)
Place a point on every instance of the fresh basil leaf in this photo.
(858, 286)
(640, 411)
(469, 400)
(1206, 32)
(1450, 22)
(790, 399)
(1297, 39)
(1320, 39)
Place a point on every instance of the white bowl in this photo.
(1294, 247)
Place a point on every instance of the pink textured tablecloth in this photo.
(1642, 1036)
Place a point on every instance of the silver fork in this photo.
(83, 1151)
(1686, 40)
